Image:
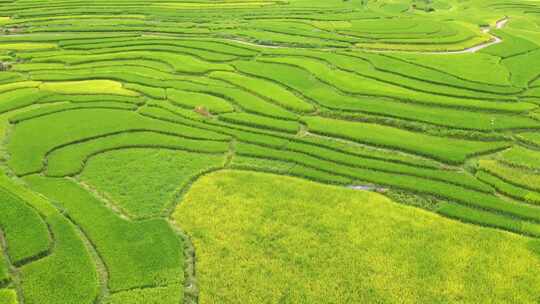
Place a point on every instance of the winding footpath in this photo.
(494, 40)
(473, 49)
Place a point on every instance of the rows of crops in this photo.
(110, 110)
(355, 240)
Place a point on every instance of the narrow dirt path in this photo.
(473, 49)
(494, 40)
(501, 23)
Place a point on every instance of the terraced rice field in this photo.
(269, 151)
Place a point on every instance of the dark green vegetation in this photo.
(111, 110)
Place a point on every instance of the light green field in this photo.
(87, 87)
(322, 244)
(26, 46)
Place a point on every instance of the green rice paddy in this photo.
(269, 151)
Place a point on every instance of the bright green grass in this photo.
(87, 98)
(71, 159)
(4, 268)
(61, 107)
(153, 92)
(74, 126)
(145, 182)
(425, 46)
(522, 72)
(68, 274)
(262, 164)
(429, 68)
(219, 5)
(253, 104)
(136, 254)
(520, 177)
(8, 296)
(193, 100)
(532, 138)
(323, 92)
(489, 219)
(26, 46)
(19, 85)
(514, 45)
(384, 69)
(444, 149)
(25, 232)
(20, 98)
(476, 67)
(350, 165)
(157, 295)
(261, 122)
(87, 87)
(362, 150)
(266, 88)
(209, 49)
(511, 190)
(521, 157)
(178, 62)
(283, 239)
(271, 164)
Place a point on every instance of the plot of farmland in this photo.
(269, 151)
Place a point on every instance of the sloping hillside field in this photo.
(269, 151)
